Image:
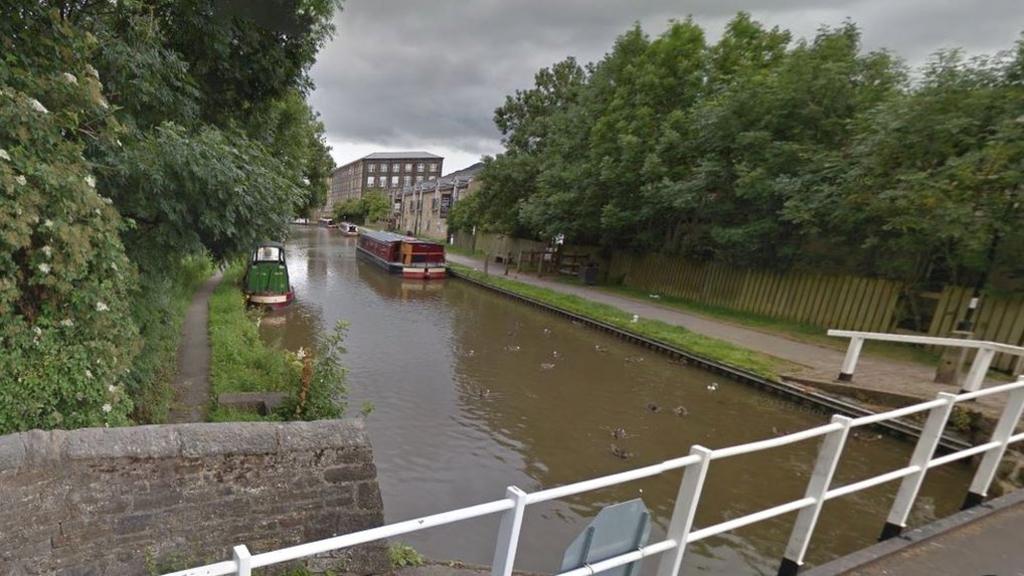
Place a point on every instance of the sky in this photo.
(428, 74)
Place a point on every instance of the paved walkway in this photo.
(985, 540)
(810, 361)
(192, 384)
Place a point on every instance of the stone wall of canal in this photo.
(134, 501)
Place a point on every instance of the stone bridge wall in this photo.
(149, 499)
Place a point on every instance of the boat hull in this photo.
(431, 273)
(392, 267)
(271, 300)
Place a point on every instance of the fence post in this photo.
(979, 368)
(508, 534)
(821, 478)
(243, 561)
(684, 511)
(850, 361)
(990, 462)
(931, 434)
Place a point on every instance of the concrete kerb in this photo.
(793, 392)
(909, 538)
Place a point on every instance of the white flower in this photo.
(91, 181)
(67, 322)
(44, 268)
(37, 106)
(70, 78)
(301, 353)
(48, 223)
(37, 330)
(88, 373)
(107, 407)
(106, 200)
(112, 389)
(20, 180)
(48, 251)
(102, 307)
(92, 71)
(4, 155)
(113, 266)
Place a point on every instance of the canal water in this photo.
(474, 392)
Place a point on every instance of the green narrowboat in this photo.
(266, 277)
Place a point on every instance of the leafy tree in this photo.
(65, 281)
(375, 206)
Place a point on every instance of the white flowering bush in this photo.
(66, 334)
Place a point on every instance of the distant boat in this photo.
(266, 277)
(327, 222)
(349, 229)
(405, 255)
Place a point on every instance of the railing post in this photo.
(684, 511)
(931, 434)
(508, 534)
(990, 462)
(243, 561)
(979, 368)
(821, 478)
(850, 362)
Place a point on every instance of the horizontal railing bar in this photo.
(961, 454)
(218, 569)
(932, 340)
(749, 519)
(388, 531)
(610, 480)
(990, 391)
(871, 482)
(898, 413)
(774, 442)
(622, 559)
(1015, 438)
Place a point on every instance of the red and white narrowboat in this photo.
(410, 257)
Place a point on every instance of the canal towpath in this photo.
(812, 364)
(192, 382)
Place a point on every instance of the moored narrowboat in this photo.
(410, 257)
(266, 281)
(349, 229)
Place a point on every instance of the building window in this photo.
(408, 167)
(372, 168)
(433, 167)
(431, 177)
(407, 180)
(419, 179)
(394, 180)
(419, 167)
(370, 181)
(384, 168)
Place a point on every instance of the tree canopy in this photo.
(759, 150)
(133, 136)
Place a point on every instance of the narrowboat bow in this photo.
(266, 280)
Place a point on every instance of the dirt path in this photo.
(812, 362)
(192, 384)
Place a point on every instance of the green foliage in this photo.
(196, 142)
(374, 206)
(65, 283)
(758, 150)
(672, 335)
(241, 362)
(403, 555)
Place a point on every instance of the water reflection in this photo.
(474, 392)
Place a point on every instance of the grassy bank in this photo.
(159, 311)
(241, 362)
(681, 338)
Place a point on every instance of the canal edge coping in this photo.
(794, 393)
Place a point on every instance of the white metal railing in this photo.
(987, 350)
(681, 530)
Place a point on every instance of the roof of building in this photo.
(464, 176)
(400, 155)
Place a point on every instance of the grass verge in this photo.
(159, 311)
(676, 336)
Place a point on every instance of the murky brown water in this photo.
(474, 392)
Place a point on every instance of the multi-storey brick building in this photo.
(384, 171)
(422, 208)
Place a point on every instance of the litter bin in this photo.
(589, 274)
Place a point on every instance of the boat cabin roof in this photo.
(270, 243)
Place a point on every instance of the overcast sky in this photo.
(427, 74)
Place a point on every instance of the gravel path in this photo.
(192, 383)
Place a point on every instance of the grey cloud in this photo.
(415, 73)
